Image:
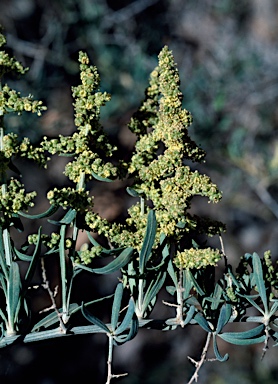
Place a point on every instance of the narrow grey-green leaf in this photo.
(52, 209)
(189, 315)
(132, 192)
(14, 287)
(67, 219)
(115, 265)
(153, 290)
(218, 356)
(224, 316)
(36, 254)
(94, 320)
(242, 335)
(100, 178)
(258, 275)
(127, 319)
(133, 330)
(116, 307)
(172, 273)
(148, 241)
(202, 322)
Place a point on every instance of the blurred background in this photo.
(227, 55)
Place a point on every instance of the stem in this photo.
(52, 297)
(142, 204)
(140, 298)
(110, 376)
(63, 273)
(109, 359)
(199, 364)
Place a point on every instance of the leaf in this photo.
(189, 276)
(115, 265)
(127, 319)
(99, 178)
(153, 290)
(36, 254)
(202, 322)
(112, 251)
(235, 337)
(17, 223)
(189, 315)
(52, 209)
(132, 192)
(148, 241)
(116, 307)
(67, 219)
(131, 334)
(172, 273)
(224, 317)
(92, 239)
(94, 320)
(218, 356)
(218, 290)
(22, 256)
(259, 279)
(14, 168)
(171, 289)
(52, 318)
(13, 291)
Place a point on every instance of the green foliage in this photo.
(150, 249)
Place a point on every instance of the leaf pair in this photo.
(123, 331)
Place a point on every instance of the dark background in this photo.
(227, 54)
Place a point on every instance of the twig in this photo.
(126, 13)
(266, 198)
(52, 295)
(110, 376)
(267, 336)
(199, 364)
(223, 250)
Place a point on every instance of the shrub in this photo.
(159, 247)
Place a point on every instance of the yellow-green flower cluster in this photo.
(158, 163)
(96, 223)
(87, 255)
(11, 101)
(14, 198)
(8, 63)
(131, 234)
(70, 198)
(11, 146)
(50, 242)
(89, 145)
(197, 258)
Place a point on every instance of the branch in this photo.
(199, 364)
(52, 295)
